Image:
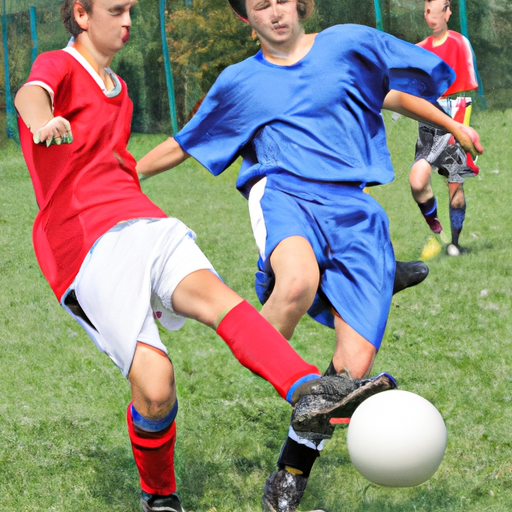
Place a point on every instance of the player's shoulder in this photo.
(55, 61)
(56, 56)
(238, 72)
(425, 43)
(458, 37)
(347, 30)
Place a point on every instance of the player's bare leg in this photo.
(421, 189)
(202, 296)
(338, 394)
(152, 382)
(457, 216)
(353, 353)
(353, 359)
(152, 428)
(297, 278)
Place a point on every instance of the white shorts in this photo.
(128, 278)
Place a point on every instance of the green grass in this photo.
(63, 442)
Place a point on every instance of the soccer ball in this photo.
(396, 439)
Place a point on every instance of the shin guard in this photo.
(298, 457)
(154, 457)
(262, 349)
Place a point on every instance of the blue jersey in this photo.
(318, 119)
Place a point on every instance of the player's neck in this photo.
(289, 53)
(98, 61)
(440, 37)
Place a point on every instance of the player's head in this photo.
(103, 25)
(304, 8)
(437, 14)
(67, 14)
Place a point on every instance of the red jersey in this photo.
(84, 188)
(456, 51)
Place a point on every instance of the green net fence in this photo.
(202, 37)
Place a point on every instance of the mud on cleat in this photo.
(334, 396)
(283, 491)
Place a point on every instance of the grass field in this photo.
(63, 442)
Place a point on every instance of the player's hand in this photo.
(56, 131)
(469, 139)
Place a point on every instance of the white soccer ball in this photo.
(452, 250)
(396, 439)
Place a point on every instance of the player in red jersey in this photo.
(112, 257)
(436, 148)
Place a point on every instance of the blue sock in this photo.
(429, 208)
(457, 216)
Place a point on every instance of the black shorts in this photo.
(450, 160)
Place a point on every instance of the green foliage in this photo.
(206, 37)
(203, 40)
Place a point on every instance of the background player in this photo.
(113, 258)
(436, 148)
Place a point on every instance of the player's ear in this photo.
(81, 16)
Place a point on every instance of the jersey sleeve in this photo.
(49, 71)
(220, 128)
(412, 69)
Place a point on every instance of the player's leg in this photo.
(152, 427)
(421, 189)
(257, 345)
(352, 361)
(457, 215)
(296, 283)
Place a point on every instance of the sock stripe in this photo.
(142, 423)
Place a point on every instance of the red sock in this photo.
(262, 349)
(154, 457)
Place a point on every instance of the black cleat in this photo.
(409, 273)
(157, 503)
(283, 491)
(334, 396)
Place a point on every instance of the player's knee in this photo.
(458, 200)
(156, 404)
(419, 177)
(298, 291)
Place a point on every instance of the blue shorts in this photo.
(349, 233)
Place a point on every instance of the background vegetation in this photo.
(63, 441)
(204, 37)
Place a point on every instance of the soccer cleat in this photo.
(409, 273)
(333, 396)
(434, 224)
(157, 503)
(283, 491)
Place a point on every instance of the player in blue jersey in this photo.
(305, 115)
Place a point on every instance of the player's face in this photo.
(275, 21)
(437, 13)
(109, 23)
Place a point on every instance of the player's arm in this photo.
(163, 157)
(425, 112)
(35, 108)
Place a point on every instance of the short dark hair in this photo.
(68, 18)
(304, 8)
